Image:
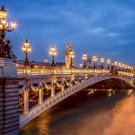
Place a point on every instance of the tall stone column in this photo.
(67, 58)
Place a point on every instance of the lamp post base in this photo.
(7, 68)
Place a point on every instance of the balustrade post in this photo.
(53, 91)
(40, 101)
(26, 101)
(62, 88)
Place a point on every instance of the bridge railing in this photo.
(42, 71)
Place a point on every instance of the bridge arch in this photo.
(51, 101)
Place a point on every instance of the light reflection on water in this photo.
(88, 112)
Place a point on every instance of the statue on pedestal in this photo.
(5, 50)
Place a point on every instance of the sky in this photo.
(105, 28)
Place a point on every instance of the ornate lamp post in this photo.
(26, 49)
(108, 62)
(53, 54)
(71, 55)
(128, 69)
(5, 49)
(115, 64)
(132, 70)
(102, 61)
(119, 66)
(123, 66)
(94, 60)
(84, 58)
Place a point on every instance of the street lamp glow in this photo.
(102, 61)
(26, 49)
(71, 55)
(94, 60)
(53, 54)
(108, 62)
(45, 60)
(115, 63)
(119, 66)
(3, 13)
(3, 21)
(13, 25)
(84, 58)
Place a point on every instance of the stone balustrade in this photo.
(43, 71)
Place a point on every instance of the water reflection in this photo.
(88, 112)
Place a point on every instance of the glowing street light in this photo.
(46, 60)
(53, 54)
(84, 58)
(102, 61)
(128, 69)
(132, 70)
(119, 66)
(115, 64)
(26, 49)
(108, 62)
(3, 26)
(123, 66)
(94, 60)
(71, 55)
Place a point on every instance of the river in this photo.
(88, 113)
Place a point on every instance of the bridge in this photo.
(26, 92)
(60, 88)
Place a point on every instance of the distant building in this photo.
(34, 64)
(88, 62)
(60, 64)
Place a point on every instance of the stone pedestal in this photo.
(9, 106)
(7, 68)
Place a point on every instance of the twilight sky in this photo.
(105, 28)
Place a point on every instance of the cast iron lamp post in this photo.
(123, 66)
(132, 70)
(53, 54)
(119, 66)
(26, 49)
(71, 55)
(128, 69)
(84, 58)
(108, 62)
(102, 61)
(94, 60)
(5, 49)
(115, 64)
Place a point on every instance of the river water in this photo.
(88, 113)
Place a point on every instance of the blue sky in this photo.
(105, 28)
